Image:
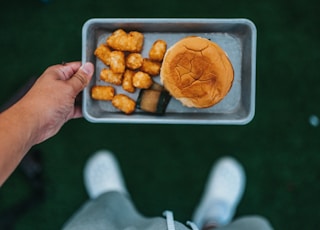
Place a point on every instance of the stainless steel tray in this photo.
(236, 36)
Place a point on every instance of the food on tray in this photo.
(127, 81)
(131, 42)
(103, 52)
(108, 75)
(124, 103)
(117, 61)
(105, 93)
(125, 66)
(150, 67)
(142, 80)
(153, 100)
(134, 61)
(197, 72)
(158, 50)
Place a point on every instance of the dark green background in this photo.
(165, 166)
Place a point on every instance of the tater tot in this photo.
(124, 103)
(142, 80)
(105, 93)
(102, 52)
(120, 40)
(117, 61)
(150, 67)
(108, 75)
(158, 50)
(117, 40)
(134, 60)
(127, 82)
(135, 41)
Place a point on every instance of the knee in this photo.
(253, 222)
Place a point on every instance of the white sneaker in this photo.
(102, 174)
(223, 192)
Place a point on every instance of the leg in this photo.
(100, 212)
(112, 211)
(223, 192)
(110, 206)
(248, 223)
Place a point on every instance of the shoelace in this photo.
(170, 221)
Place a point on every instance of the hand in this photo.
(52, 98)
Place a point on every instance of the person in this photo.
(41, 113)
(49, 104)
(110, 206)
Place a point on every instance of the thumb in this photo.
(82, 77)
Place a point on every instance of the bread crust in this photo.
(197, 72)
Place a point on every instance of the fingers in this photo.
(64, 71)
(82, 77)
(77, 113)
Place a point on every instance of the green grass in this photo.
(165, 166)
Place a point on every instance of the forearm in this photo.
(17, 136)
(41, 113)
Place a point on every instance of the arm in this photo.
(41, 113)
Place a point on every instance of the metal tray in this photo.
(236, 36)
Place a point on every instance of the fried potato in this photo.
(125, 66)
(105, 93)
(108, 75)
(131, 42)
(127, 82)
(134, 61)
(142, 80)
(102, 52)
(124, 103)
(158, 50)
(117, 61)
(150, 67)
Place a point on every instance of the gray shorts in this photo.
(115, 211)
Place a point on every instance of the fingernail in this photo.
(88, 68)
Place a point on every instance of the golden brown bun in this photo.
(197, 72)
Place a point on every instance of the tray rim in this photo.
(152, 119)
